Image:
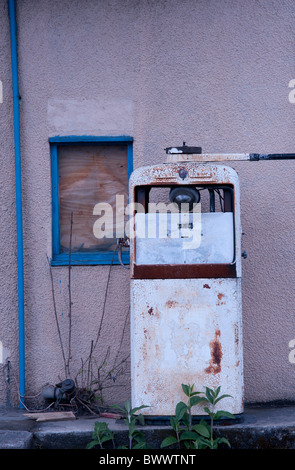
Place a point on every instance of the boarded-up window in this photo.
(89, 174)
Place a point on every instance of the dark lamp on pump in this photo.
(184, 195)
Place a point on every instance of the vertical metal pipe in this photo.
(18, 192)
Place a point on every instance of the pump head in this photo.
(184, 195)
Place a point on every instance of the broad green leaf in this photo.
(222, 396)
(202, 430)
(106, 438)
(186, 389)
(134, 410)
(132, 421)
(92, 444)
(203, 443)
(169, 441)
(186, 420)
(224, 414)
(127, 406)
(196, 400)
(204, 422)
(100, 427)
(209, 412)
(118, 408)
(188, 435)
(140, 445)
(140, 418)
(174, 423)
(209, 395)
(187, 444)
(138, 436)
(180, 410)
(216, 393)
(223, 440)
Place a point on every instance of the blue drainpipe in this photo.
(18, 191)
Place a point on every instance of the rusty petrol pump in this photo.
(185, 268)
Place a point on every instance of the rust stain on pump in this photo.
(171, 303)
(216, 355)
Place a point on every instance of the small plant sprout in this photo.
(100, 435)
(186, 433)
(198, 436)
(131, 419)
(212, 397)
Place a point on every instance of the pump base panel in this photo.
(186, 331)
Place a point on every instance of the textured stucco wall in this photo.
(8, 266)
(210, 73)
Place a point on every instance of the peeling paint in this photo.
(186, 339)
(171, 303)
(220, 297)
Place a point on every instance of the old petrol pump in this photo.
(185, 267)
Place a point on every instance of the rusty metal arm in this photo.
(227, 157)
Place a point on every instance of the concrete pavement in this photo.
(260, 428)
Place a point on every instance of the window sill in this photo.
(89, 259)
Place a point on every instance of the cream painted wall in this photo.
(210, 73)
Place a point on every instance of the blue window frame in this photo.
(92, 257)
